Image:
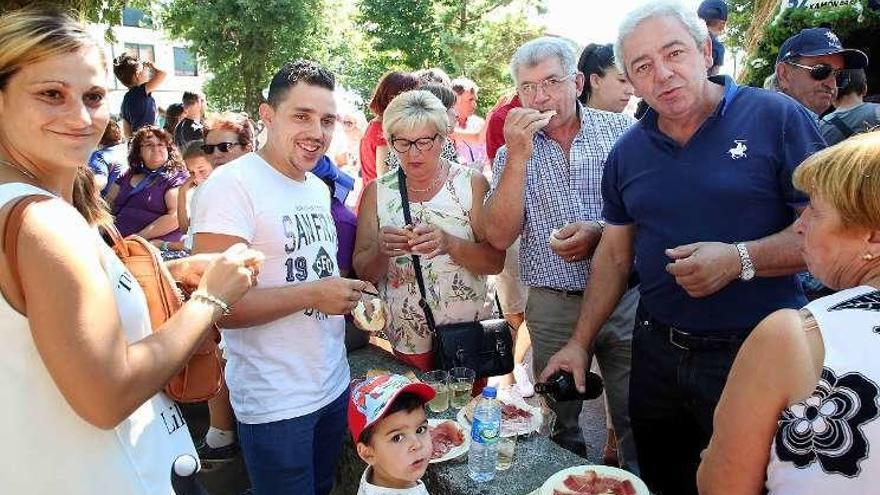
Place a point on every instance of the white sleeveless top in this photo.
(454, 294)
(823, 445)
(47, 448)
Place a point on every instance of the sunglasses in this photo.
(223, 147)
(820, 72)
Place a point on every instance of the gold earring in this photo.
(867, 256)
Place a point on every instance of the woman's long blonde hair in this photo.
(30, 35)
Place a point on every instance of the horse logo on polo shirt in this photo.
(739, 150)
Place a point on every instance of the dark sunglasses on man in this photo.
(222, 147)
(821, 72)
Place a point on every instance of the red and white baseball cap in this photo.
(371, 398)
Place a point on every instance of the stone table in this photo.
(535, 458)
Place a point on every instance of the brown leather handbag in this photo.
(201, 377)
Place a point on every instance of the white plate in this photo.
(555, 481)
(455, 451)
(507, 431)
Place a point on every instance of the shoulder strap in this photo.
(417, 265)
(841, 126)
(11, 229)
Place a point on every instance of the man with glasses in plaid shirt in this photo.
(811, 66)
(546, 188)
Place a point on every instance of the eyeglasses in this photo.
(422, 144)
(222, 147)
(549, 85)
(818, 72)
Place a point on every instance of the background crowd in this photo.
(718, 260)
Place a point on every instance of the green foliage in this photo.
(847, 22)
(243, 42)
(473, 38)
(739, 20)
(100, 11)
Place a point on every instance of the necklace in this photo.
(431, 186)
(27, 173)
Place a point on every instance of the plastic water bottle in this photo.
(485, 431)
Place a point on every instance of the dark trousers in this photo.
(675, 383)
(298, 455)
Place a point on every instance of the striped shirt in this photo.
(557, 194)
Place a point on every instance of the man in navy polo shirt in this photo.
(699, 194)
(810, 65)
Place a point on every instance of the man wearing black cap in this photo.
(809, 68)
(714, 12)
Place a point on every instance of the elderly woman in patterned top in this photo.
(799, 413)
(446, 203)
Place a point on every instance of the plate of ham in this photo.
(450, 440)
(594, 480)
(517, 417)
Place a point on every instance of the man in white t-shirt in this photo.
(287, 371)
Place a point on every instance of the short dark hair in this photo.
(291, 73)
(391, 85)
(125, 67)
(595, 59)
(443, 93)
(189, 98)
(193, 149)
(406, 401)
(855, 82)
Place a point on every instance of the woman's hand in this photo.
(430, 241)
(230, 274)
(394, 241)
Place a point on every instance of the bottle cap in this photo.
(490, 392)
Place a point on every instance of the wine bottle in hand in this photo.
(560, 386)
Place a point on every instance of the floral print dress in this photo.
(454, 294)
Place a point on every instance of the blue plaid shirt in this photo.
(558, 194)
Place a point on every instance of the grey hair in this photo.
(535, 51)
(663, 8)
(412, 109)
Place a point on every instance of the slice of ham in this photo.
(591, 483)
(445, 437)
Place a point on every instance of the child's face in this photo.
(399, 449)
(199, 167)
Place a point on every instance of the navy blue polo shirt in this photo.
(730, 183)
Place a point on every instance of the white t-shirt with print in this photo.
(294, 365)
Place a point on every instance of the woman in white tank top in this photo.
(800, 414)
(81, 372)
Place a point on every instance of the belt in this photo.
(564, 292)
(687, 340)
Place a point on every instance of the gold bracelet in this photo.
(225, 309)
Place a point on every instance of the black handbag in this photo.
(483, 346)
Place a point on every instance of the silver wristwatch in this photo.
(748, 268)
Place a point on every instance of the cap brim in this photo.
(852, 58)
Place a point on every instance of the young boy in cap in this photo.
(386, 416)
(714, 12)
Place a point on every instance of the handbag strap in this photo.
(417, 265)
(10, 233)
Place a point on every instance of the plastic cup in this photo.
(461, 385)
(438, 380)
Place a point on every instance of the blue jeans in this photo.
(295, 456)
(675, 384)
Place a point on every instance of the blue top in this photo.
(326, 169)
(730, 183)
(138, 108)
(717, 51)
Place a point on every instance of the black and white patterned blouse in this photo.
(823, 445)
